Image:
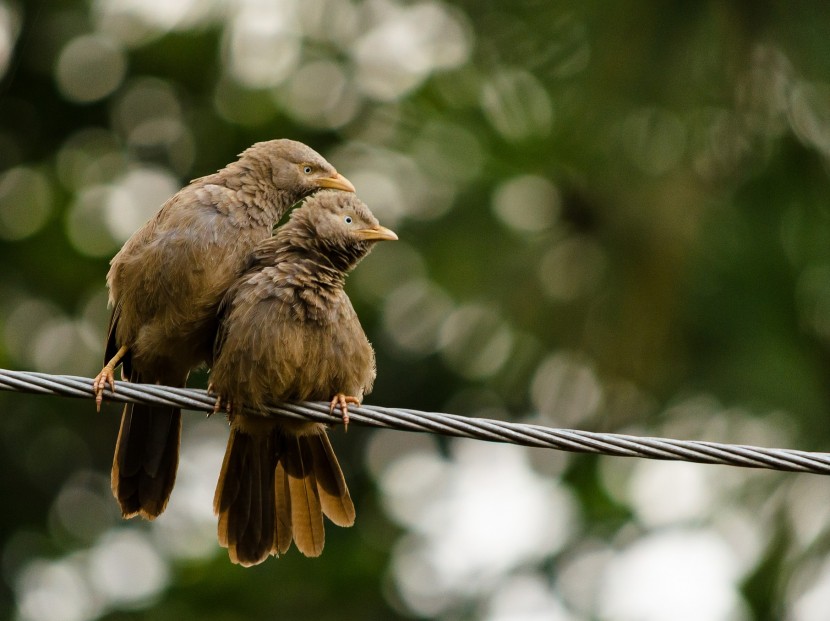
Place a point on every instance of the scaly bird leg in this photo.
(106, 376)
(340, 400)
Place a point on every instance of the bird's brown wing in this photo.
(222, 327)
(112, 346)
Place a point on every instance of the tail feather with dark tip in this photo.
(335, 500)
(146, 458)
(245, 497)
(274, 488)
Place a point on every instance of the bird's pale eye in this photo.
(307, 169)
(348, 219)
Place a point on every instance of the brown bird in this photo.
(289, 333)
(165, 286)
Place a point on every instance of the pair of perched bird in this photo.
(206, 280)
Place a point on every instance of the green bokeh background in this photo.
(613, 216)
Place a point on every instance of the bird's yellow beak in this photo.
(377, 233)
(337, 182)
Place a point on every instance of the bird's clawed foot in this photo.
(107, 376)
(340, 400)
(99, 384)
(221, 404)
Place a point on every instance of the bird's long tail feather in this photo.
(274, 488)
(146, 458)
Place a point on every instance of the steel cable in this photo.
(445, 424)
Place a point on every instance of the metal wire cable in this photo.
(445, 424)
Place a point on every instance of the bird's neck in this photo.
(309, 268)
(334, 254)
(298, 249)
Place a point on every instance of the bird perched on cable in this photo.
(289, 333)
(165, 286)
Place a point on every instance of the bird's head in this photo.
(291, 164)
(341, 226)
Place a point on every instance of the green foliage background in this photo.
(613, 216)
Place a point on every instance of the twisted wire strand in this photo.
(572, 440)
